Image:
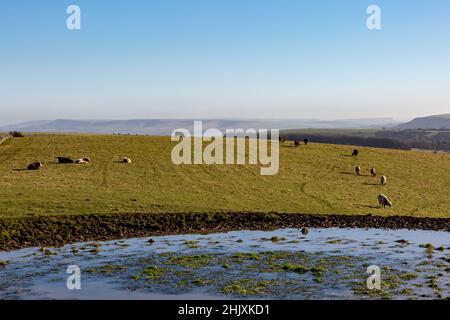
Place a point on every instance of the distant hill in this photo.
(436, 122)
(166, 126)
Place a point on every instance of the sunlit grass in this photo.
(317, 178)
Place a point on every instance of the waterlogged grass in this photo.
(154, 272)
(295, 268)
(278, 273)
(262, 274)
(246, 287)
(106, 269)
(317, 178)
(190, 261)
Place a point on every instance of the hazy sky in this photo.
(223, 58)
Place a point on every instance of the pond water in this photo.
(280, 264)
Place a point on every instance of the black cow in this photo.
(355, 153)
(65, 160)
(34, 166)
(305, 141)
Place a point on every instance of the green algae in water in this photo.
(201, 282)
(106, 269)
(295, 268)
(240, 257)
(245, 287)
(193, 244)
(409, 276)
(190, 261)
(334, 241)
(154, 272)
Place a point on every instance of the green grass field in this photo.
(317, 179)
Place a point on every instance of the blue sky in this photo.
(223, 58)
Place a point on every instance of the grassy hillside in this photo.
(440, 121)
(313, 179)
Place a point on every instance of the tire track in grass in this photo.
(323, 201)
(14, 150)
(105, 173)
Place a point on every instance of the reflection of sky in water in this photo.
(30, 274)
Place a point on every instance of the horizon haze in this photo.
(182, 59)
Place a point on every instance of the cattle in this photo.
(65, 160)
(383, 201)
(87, 159)
(358, 170)
(80, 161)
(34, 166)
(305, 141)
(355, 153)
(383, 180)
(126, 160)
(297, 143)
(373, 172)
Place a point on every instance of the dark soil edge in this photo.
(16, 233)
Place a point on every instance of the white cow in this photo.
(384, 201)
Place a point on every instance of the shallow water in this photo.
(280, 264)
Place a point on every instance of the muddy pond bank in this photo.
(16, 233)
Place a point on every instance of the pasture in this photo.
(316, 179)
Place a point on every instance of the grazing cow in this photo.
(383, 201)
(126, 160)
(65, 160)
(297, 143)
(373, 172)
(383, 180)
(34, 166)
(355, 153)
(358, 170)
(305, 141)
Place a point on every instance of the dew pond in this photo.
(280, 264)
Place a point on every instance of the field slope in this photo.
(316, 179)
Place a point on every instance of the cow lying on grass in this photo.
(78, 161)
(34, 166)
(383, 201)
(65, 160)
(126, 160)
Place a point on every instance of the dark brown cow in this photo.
(65, 160)
(373, 172)
(34, 166)
(355, 153)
